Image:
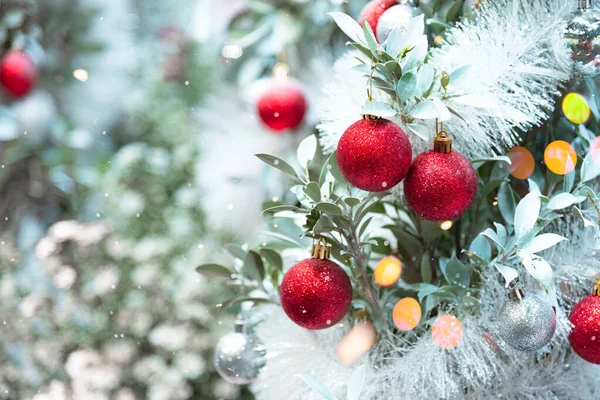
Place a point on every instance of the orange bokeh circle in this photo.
(447, 332)
(406, 314)
(388, 271)
(560, 157)
(522, 162)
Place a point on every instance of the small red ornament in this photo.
(374, 154)
(373, 10)
(282, 105)
(18, 74)
(316, 293)
(441, 184)
(585, 336)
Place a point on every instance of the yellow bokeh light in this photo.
(576, 108)
(388, 271)
(446, 225)
(560, 157)
(522, 162)
(406, 314)
(81, 75)
(447, 332)
(356, 343)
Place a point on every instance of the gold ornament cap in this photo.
(515, 293)
(442, 143)
(596, 290)
(321, 250)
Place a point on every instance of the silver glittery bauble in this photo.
(395, 17)
(583, 35)
(527, 324)
(239, 357)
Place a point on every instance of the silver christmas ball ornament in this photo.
(582, 34)
(239, 356)
(395, 17)
(527, 322)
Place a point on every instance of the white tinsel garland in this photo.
(517, 61)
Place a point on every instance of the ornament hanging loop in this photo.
(515, 293)
(596, 291)
(442, 142)
(321, 250)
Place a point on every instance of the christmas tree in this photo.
(449, 192)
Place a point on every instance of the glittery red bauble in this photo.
(585, 336)
(282, 105)
(18, 74)
(316, 294)
(440, 186)
(374, 154)
(373, 10)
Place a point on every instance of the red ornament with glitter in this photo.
(374, 154)
(373, 10)
(441, 184)
(316, 293)
(282, 105)
(18, 74)
(585, 336)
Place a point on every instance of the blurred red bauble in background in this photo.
(373, 10)
(441, 184)
(374, 154)
(316, 293)
(585, 336)
(282, 105)
(18, 74)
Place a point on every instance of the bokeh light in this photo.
(576, 108)
(522, 162)
(356, 343)
(447, 332)
(560, 157)
(406, 314)
(595, 150)
(446, 225)
(388, 271)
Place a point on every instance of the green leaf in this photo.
(253, 267)
(349, 26)
(406, 86)
(564, 200)
(417, 55)
(238, 300)
(456, 273)
(313, 191)
(356, 383)
(506, 202)
(378, 109)
(236, 251)
(509, 273)
(317, 386)
(589, 169)
(538, 268)
(352, 201)
(426, 289)
(306, 151)
(543, 242)
(370, 39)
(526, 214)
(481, 247)
(326, 167)
(324, 224)
(329, 208)
(460, 77)
(489, 233)
(278, 163)
(425, 77)
(273, 258)
(213, 271)
(586, 222)
(276, 209)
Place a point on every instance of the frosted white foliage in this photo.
(481, 365)
(292, 350)
(517, 57)
(513, 61)
(228, 168)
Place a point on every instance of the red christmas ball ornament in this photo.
(18, 74)
(374, 154)
(585, 336)
(282, 105)
(441, 184)
(316, 293)
(373, 10)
